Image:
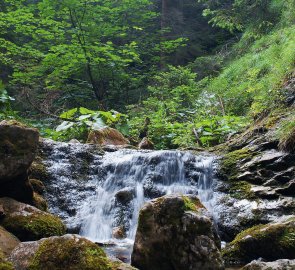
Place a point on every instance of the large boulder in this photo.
(176, 232)
(276, 265)
(29, 223)
(18, 146)
(271, 242)
(107, 136)
(66, 252)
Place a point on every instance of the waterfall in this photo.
(96, 193)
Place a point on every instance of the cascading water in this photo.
(96, 194)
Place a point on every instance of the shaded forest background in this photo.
(199, 70)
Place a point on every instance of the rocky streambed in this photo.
(187, 203)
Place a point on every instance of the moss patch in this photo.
(39, 202)
(69, 253)
(39, 171)
(230, 161)
(34, 226)
(191, 204)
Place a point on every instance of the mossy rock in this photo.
(4, 264)
(230, 162)
(71, 252)
(39, 171)
(29, 223)
(38, 186)
(161, 220)
(39, 202)
(272, 241)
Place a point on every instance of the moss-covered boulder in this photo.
(29, 223)
(272, 241)
(59, 253)
(7, 241)
(4, 263)
(176, 232)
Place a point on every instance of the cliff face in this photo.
(257, 169)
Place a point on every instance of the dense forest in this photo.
(199, 70)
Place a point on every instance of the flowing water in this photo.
(98, 194)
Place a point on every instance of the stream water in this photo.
(99, 195)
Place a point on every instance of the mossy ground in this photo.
(34, 226)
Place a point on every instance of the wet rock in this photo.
(29, 223)
(289, 190)
(66, 252)
(7, 241)
(271, 242)
(106, 136)
(160, 221)
(276, 265)
(146, 144)
(18, 146)
(265, 192)
(119, 232)
(125, 195)
(38, 186)
(150, 189)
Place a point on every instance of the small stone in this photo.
(119, 232)
(107, 136)
(146, 144)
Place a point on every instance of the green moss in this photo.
(230, 161)
(71, 253)
(191, 204)
(4, 264)
(39, 171)
(34, 226)
(39, 202)
(270, 241)
(241, 190)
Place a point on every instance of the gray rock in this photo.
(276, 265)
(176, 232)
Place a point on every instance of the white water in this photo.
(118, 184)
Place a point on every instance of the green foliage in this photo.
(176, 116)
(251, 83)
(257, 15)
(78, 122)
(5, 108)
